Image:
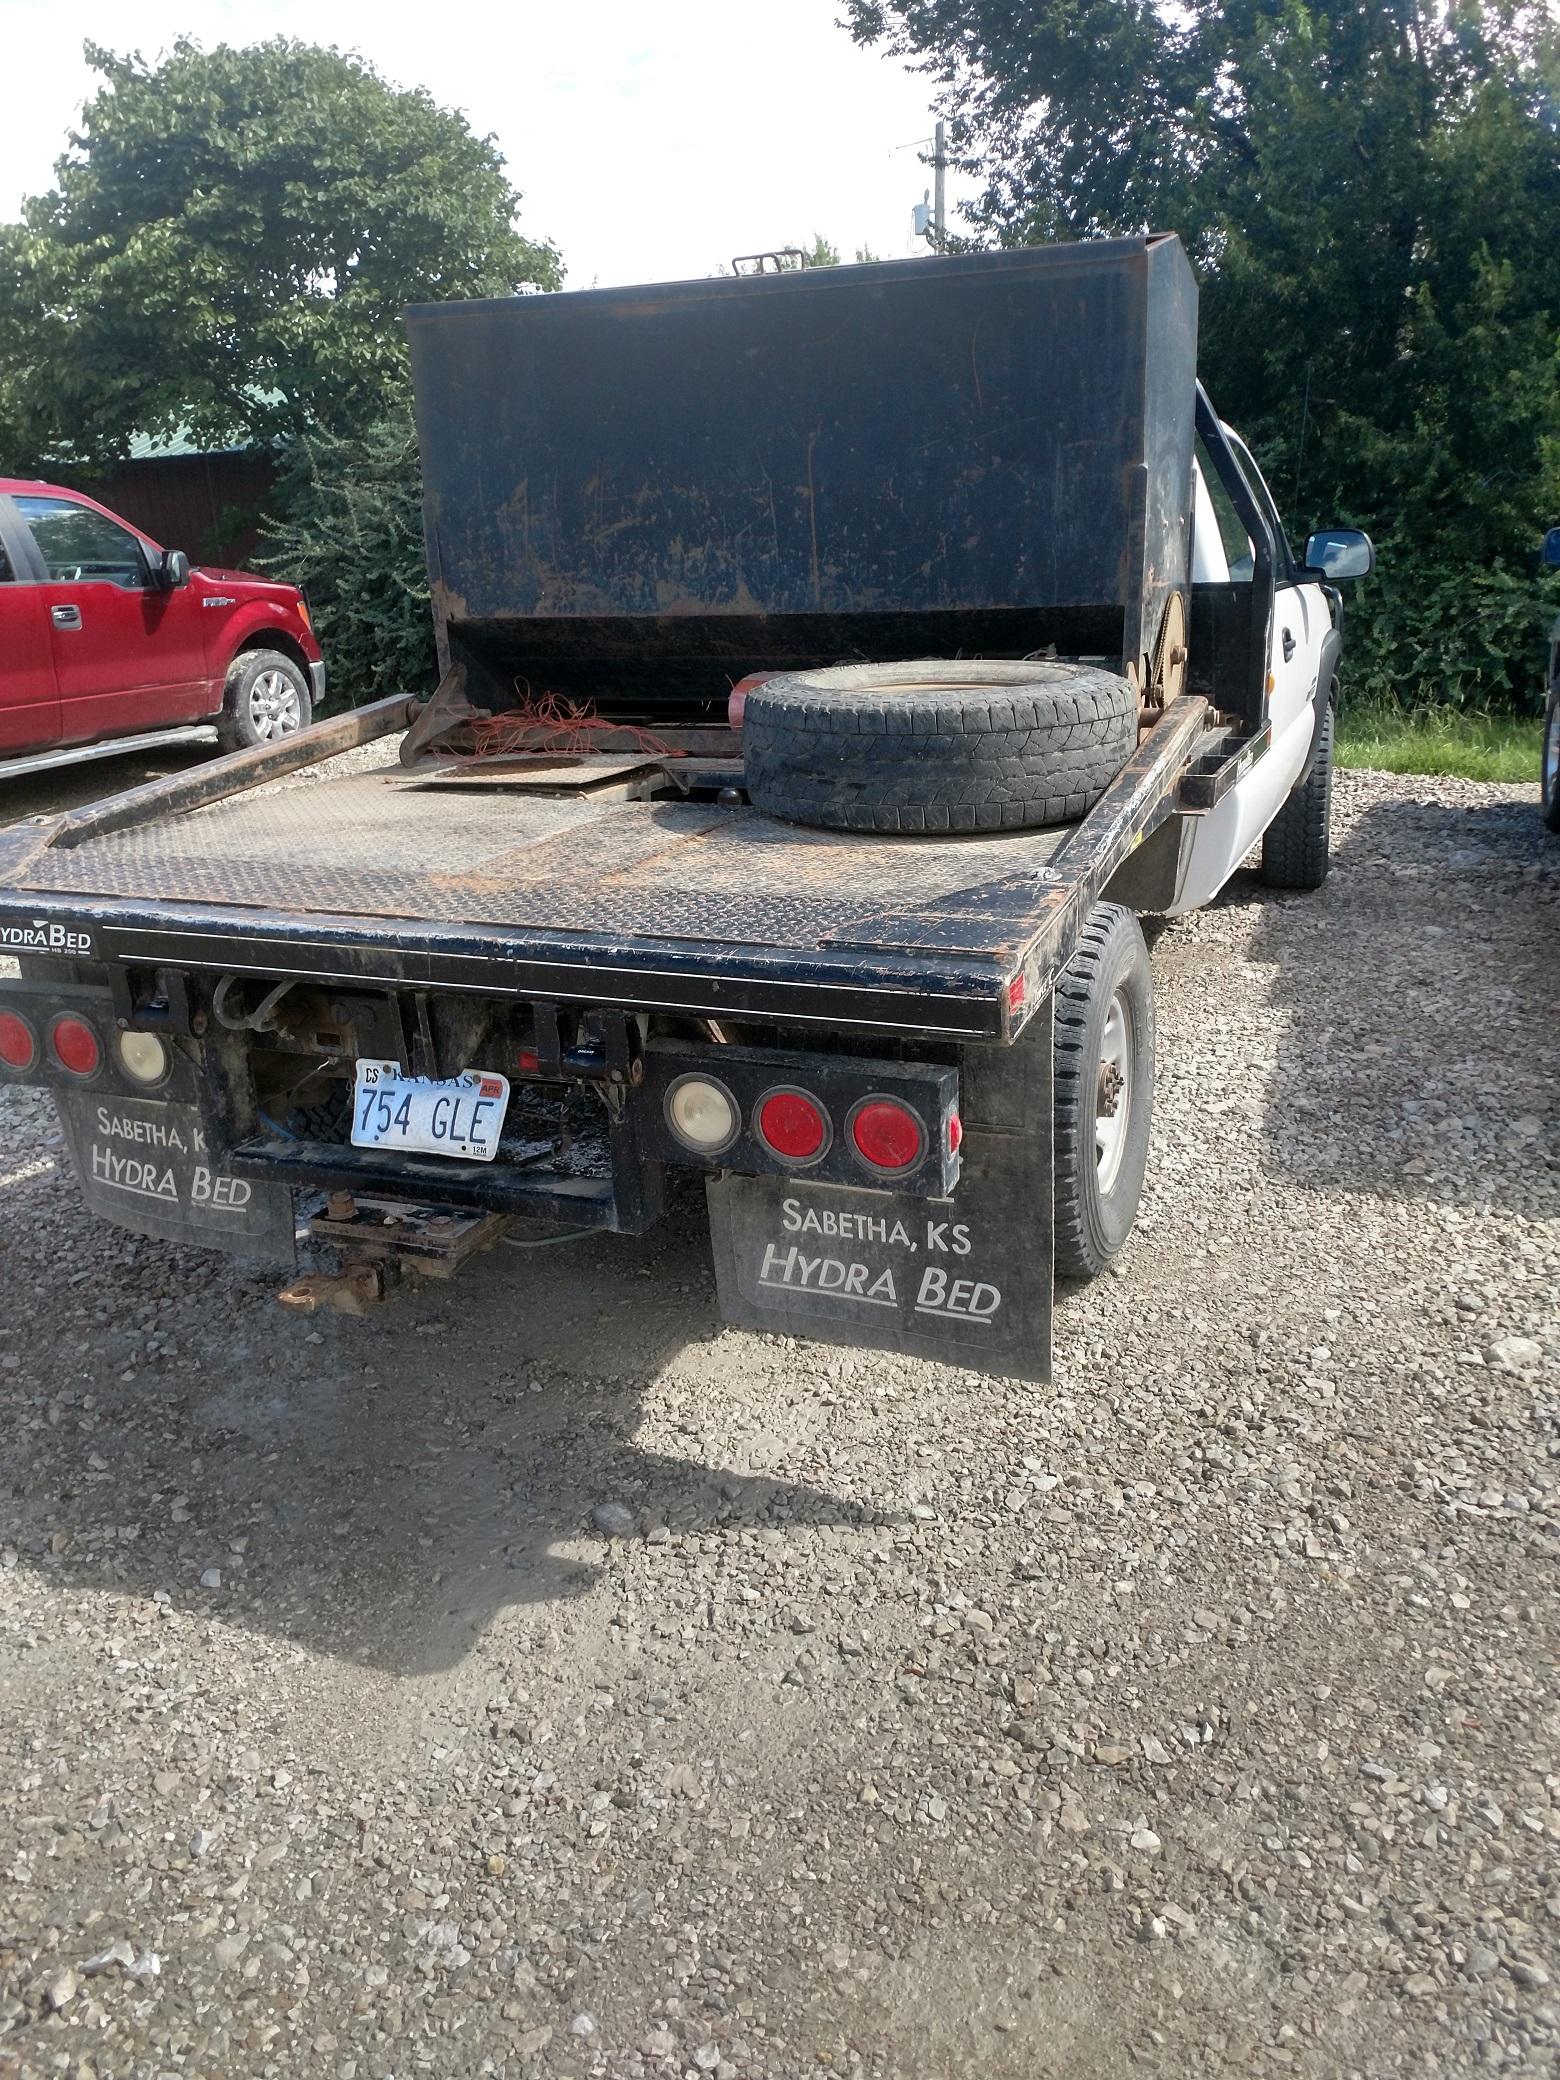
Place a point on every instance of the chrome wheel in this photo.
(274, 707)
(1113, 1092)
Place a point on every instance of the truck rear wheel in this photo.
(1104, 1090)
(267, 698)
(937, 745)
(1297, 849)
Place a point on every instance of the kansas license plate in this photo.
(459, 1116)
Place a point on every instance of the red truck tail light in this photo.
(75, 1046)
(18, 1042)
(793, 1126)
(887, 1135)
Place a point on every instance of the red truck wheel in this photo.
(267, 698)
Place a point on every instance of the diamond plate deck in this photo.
(372, 846)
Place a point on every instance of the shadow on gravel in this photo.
(68, 787)
(377, 1491)
(1421, 993)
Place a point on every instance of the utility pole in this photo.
(929, 217)
(940, 190)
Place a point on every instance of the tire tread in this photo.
(1037, 747)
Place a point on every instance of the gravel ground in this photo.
(1193, 1716)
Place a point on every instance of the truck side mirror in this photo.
(1552, 548)
(1340, 552)
(173, 571)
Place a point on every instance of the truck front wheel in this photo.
(1297, 847)
(1104, 1085)
(1550, 771)
(267, 697)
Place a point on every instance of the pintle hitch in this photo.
(380, 1241)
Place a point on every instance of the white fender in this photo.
(1222, 838)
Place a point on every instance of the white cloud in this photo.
(651, 141)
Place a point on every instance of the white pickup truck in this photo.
(1022, 651)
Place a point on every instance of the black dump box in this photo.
(635, 496)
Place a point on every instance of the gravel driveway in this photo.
(1195, 1716)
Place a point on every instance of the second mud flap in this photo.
(143, 1163)
(964, 1280)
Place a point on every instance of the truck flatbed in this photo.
(567, 887)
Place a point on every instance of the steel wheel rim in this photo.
(273, 704)
(1113, 1092)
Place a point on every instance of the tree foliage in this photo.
(231, 241)
(349, 528)
(1370, 190)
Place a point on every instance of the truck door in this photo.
(1301, 620)
(127, 654)
(29, 698)
(1293, 644)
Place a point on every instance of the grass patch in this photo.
(1439, 740)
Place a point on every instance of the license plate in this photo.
(459, 1116)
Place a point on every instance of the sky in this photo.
(650, 142)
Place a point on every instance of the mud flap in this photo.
(143, 1163)
(965, 1280)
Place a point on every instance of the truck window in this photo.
(81, 546)
(1237, 546)
(1283, 556)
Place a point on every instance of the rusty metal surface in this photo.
(867, 450)
(538, 772)
(376, 847)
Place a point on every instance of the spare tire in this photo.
(937, 745)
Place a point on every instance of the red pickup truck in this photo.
(106, 636)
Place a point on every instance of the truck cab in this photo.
(1233, 510)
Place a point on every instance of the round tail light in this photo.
(702, 1114)
(793, 1126)
(887, 1135)
(18, 1046)
(75, 1046)
(142, 1056)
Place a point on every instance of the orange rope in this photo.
(550, 723)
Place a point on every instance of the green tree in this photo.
(1370, 190)
(229, 246)
(349, 527)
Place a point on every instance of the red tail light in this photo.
(955, 1133)
(887, 1134)
(75, 1046)
(18, 1047)
(793, 1126)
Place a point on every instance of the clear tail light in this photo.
(702, 1114)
